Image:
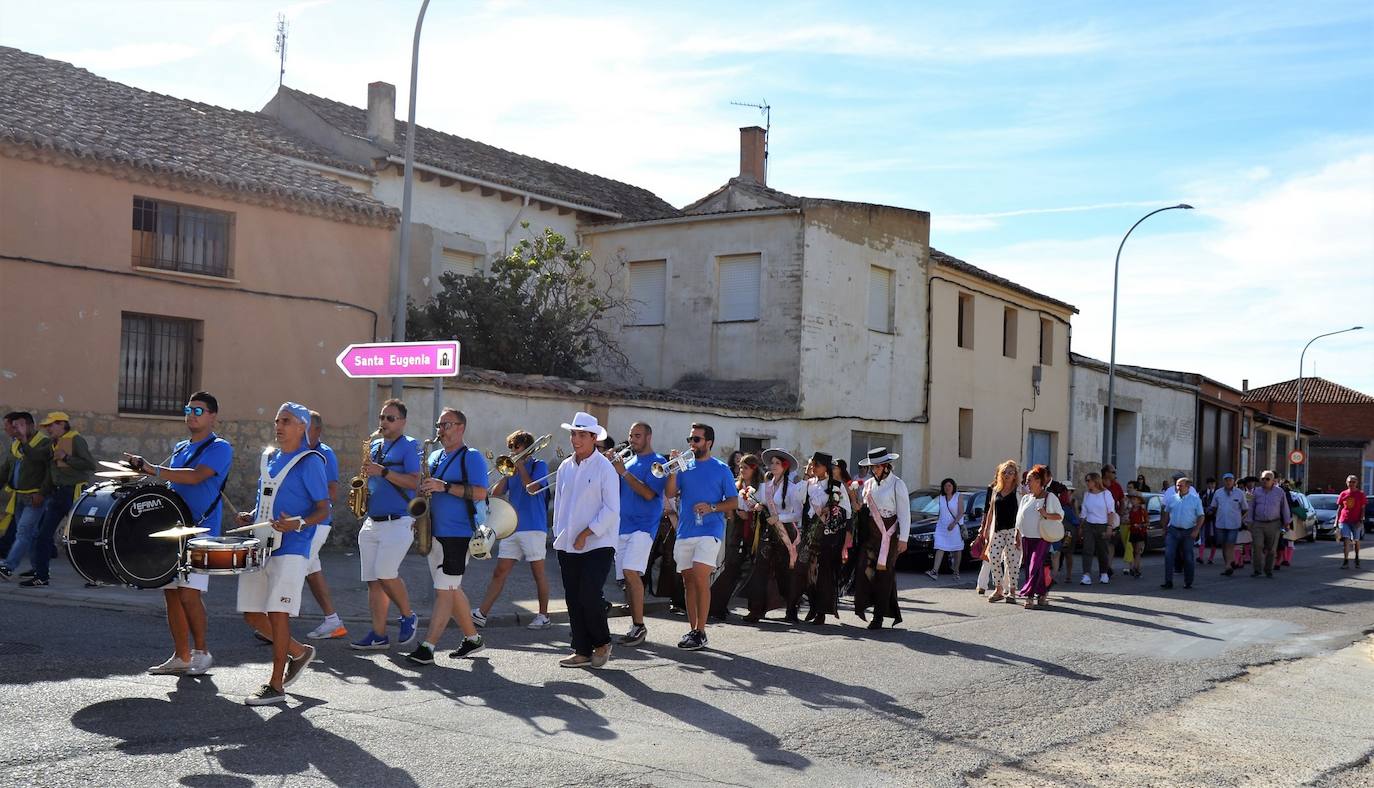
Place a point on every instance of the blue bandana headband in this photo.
(301, 412)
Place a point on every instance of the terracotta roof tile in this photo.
(1315, 391)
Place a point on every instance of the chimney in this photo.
(753, 154)
(381, 112)
(1245, 384)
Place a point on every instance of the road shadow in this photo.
(927, 643)
(1122, 608)
(246, 742)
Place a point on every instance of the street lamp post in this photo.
(398, 318)
(1109, 448)
(1297, 418)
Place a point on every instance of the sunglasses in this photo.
(387, 417)
(695, 439)
(443, 425)
(196, 409)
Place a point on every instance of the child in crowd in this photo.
(1139, 520)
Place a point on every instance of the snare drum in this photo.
(107, 535)
(224, 555)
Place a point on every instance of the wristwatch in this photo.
(448, 486)
(385, 471)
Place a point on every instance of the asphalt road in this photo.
(964, 692)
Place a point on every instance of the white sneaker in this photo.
(540, 621)
(1105, 579)
(331, 627)
(478, 617)
(1086, 581)
(200, 662)
(172, 666)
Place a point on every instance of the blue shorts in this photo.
(1226, 536)
(1353, 532)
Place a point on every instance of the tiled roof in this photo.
(53, 106)
(751, 396)
(741, 194)
(937, 256)
(1315, 391)
(489, 163)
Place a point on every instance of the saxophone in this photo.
(357, 486)
(419, 507)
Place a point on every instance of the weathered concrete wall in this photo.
(994, 387)
(1164, 434)
(691, 341)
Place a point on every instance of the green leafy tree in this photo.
(539, 310)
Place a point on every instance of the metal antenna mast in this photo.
(767, 127)
(282, 28)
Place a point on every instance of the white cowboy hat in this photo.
(879, 456)
(586, 422)
(769, 454)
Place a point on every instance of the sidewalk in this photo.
(517, 605)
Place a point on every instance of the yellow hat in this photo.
(56, 415)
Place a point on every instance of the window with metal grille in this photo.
(880, 299)
(156, 364)
(183, 238)
(737, 295)
(648, 286)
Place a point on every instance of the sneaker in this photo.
(1086, 581)
(408, 624)
(540, 621)
(469, 647)
(200, 663)
(34, 582)
(294, 666)
(692, 641)
(330, 628)
(265, 696)
(1166, 586)
(422, 655)
(600, 658)
(956, 577)
(1104, 579)
(933, 575)
(635, 636)
(173, 666)
(26, 574)
(701, 636)
(262, 637)
(1228, 571)
(479, 618)
(373, 642)
(575, 661)
(982, 591)
(4, 572)
(1345, 564)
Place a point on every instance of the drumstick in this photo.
(300, 521)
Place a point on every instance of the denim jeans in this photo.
(1178, 546)
(55, 508)
(27, 519)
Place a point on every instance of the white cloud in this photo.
(968, 222)
(124, 57)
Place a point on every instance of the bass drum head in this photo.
(108, 535)
(84, 534)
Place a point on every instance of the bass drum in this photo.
(107, 535)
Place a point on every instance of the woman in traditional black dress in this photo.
(739, 540)
(887, 528)
(669, 582)
(827, 527)
(777, 509)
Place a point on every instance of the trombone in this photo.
(505, 464)
(545, 477)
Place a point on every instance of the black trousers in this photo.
(584, 576)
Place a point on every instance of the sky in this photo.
(1034, 134)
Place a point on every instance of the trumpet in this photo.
(682, 462)
(622, 454)
(506, 464)
(357, 486)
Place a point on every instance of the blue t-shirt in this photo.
(296, 497)
(331, 473)
(533, 510)
(709, 482)
(449, 514)
(637, 514)
(400, 456)
(219, 456)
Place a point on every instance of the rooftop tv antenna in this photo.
(767, 112)
(282, 28)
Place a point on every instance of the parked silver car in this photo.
(1323, 509)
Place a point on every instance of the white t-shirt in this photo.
(1097, 505)
(1028, 514)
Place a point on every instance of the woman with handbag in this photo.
(1039, 521)
(949, 537)
(999, 528)
(1099, 520)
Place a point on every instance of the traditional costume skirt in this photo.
(668, 583)
(827, 547)
(738, 532)
(875, 583)
(765, 576)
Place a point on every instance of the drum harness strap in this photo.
(270, 483)
(191, 463)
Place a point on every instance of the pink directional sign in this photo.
(400, 360)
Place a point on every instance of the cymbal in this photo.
(179, 531)
(116, 466)
(117, 474)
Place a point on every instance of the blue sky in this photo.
(1035, 134)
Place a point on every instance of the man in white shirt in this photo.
(586, 526)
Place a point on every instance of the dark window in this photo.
(1263, 458)
(754, 446)
(1009, 332)
(1046, 342)
(181, 238)
(965, 320)
(156, 364)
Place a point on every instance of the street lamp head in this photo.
(1356, 328)
(1184, 206)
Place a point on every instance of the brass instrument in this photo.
(506, 464)
(685, 461)
(419, 506)
(357, 486)
(622, 454)
(546, 477)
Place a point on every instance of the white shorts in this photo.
(383, 546)
(443, 582)
(197, 580)
(321, 536)
(632, 552)
(276, 588)
(696, 550)
(524, 546)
